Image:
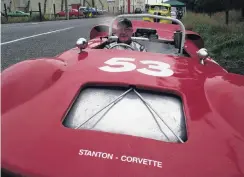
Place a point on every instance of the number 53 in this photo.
(160, 68)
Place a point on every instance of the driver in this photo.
(124, 32)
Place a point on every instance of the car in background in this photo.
(88, 11)
(72, 13)
(94, 11)
(138, 11)
(18, 13)
(161, 9)
(101, 11)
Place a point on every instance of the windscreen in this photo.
(159, 7)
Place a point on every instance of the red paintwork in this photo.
(75, 6)
(72, 12)
(37, 93)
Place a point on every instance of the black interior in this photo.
(146, 33)
(101, 28)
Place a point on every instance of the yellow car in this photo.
(162, 9)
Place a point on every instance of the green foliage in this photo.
(212, 6)
(224, 43)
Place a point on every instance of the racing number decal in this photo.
(125, 64)
(163, 68)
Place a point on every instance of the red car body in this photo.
(37, 94)
(72, 13)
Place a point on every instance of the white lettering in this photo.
(81, 152)
(141, 161)
(110, 156)
(150, 161)
(89, 153)
(124, 64)
(129, 159)
(155, 163)
(94, 154)
(135, 159)
(123, 158)
(160, 69)
(145, 161)
(153, 68)
(159, 165)
(103, 155)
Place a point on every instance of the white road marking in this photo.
(34, 23)
(23, 38)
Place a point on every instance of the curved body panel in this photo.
(44, 106)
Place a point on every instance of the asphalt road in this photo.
(45, 39)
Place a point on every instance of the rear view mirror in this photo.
(202, 54)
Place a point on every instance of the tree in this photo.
(93, 3)
(190, 4)
(62, 5)
(213, 6)
(45, 6)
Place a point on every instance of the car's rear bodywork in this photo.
(161, 9)
(72, 13)
(112, 113)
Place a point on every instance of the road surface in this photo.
(46, 39)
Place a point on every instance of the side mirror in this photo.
(202, 54)
(81, 44)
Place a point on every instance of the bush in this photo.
(224, 43)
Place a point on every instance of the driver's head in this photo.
(124, 30)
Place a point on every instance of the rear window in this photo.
(82, 8)
(158, 7)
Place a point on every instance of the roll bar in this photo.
(183, 30)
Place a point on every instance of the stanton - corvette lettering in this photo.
(123, 158)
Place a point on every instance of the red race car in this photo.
(94, 112)
(72, 13)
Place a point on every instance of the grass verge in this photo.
(224, 43)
